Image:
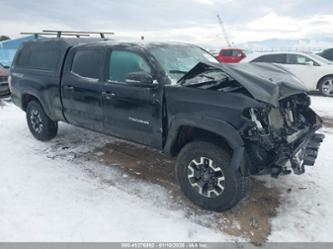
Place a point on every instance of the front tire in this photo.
(40, 125)
(206, 178)
(326, 86)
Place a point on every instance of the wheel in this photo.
(40, 125)
(206, 178)
(326, 86)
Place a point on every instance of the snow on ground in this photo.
(45, 199)
(47, 195)
(306, 213)
(323, 106)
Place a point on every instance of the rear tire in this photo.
(220, 187)
(40, 125)
(326, 86)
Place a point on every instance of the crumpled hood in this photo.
(265, 82)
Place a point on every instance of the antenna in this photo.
(224, 32)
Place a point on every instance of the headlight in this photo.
(275, 118)
(254, 118)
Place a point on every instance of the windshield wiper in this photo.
(178, 71)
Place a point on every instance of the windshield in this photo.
(177, 60)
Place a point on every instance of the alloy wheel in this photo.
(207, 178)
(327, 87)
(36, 121)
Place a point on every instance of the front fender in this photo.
(218, 127)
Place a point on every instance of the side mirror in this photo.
(309, 63)
(140, 79)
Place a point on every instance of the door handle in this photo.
(108, 95)
(68, 87)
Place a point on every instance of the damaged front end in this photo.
(282, 139)
(280, 130)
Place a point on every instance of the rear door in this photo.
(131, 112)
(81, 87)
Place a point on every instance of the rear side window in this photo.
(272, 58)
(87, 63)
(236, 53)
(124, 62)
(227, 53)
(23, 57)
(231, 52)
(39, 58)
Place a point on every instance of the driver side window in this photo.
(124, 62)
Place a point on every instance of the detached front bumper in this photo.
(299, 154)
(306, 153)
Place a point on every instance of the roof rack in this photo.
(37, 34)
(60, 33)
(80, 33)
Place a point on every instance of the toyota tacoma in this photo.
(224, 123)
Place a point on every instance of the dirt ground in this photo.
(250, 219)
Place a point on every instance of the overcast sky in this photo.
(185, 20)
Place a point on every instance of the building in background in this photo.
(8, 49)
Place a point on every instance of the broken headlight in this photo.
(259, 117)
(275, 118)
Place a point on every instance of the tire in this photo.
(211, 198)
(326, 86)
(40, 125)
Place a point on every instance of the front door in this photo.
(131, 112)
(81, 88)
(304, 68)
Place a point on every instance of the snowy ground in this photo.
(52, 192)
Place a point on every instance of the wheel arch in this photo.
(183, 131)
(319, 81)
(188, 133)
(26, 98)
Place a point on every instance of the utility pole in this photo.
(224, 32)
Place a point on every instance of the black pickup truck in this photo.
(223, 122)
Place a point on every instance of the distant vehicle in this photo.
(4, 88)
(313, 70)
(327, 54)
(222, 123)
(230, 55)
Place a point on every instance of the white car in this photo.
(313, 70)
